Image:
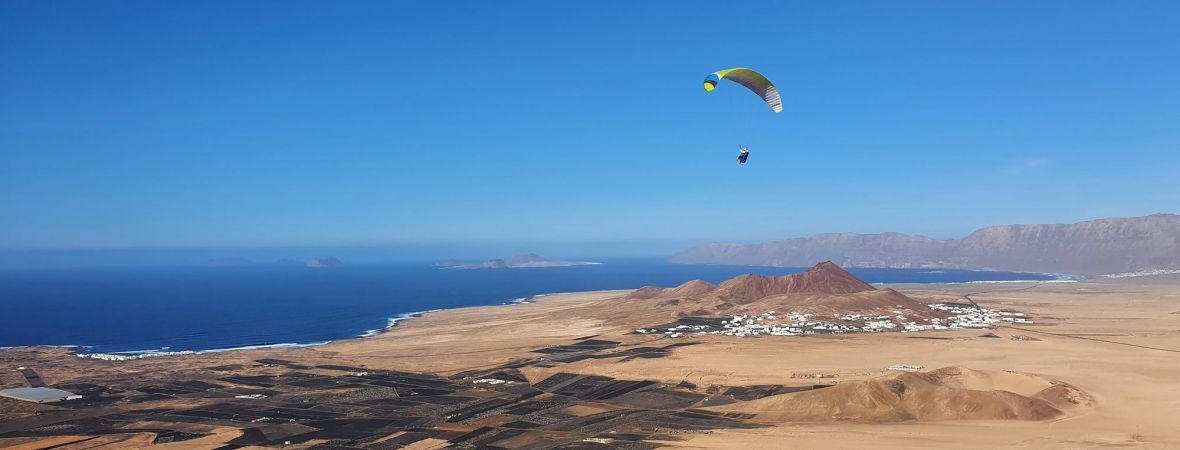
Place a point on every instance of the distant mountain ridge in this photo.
(1086, 248)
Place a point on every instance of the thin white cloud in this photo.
(1022, 166)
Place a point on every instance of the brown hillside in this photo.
(691, 288)
(646, 292)
(950, 393)
(825, 289)
(879, 301)
(823, 278)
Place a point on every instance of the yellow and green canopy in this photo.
(752, 80)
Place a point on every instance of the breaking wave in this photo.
(392, 322)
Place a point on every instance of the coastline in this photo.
(392, 323)
(78, 350)
(144, 354)
(1086, 336)
(206, 332)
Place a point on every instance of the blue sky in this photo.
(127, 124)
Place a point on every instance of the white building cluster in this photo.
(492, 381)
(795, 323)
(132, 356)
(1142, 273)
(970, 317)
(677, 331)
(766, 323)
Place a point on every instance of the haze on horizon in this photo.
(568, 129)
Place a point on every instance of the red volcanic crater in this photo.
(825, 289)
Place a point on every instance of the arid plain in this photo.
(1097, 368)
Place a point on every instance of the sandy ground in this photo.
(1117, 340)
(482, 337)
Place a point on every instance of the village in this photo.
(794, 323)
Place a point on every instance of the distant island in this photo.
(324, 262)
(229, 262)
(1104, 246)
(515, 262)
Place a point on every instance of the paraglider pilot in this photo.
(741, 159)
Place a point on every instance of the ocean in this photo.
(181, 308)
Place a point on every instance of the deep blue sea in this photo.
(107, 310)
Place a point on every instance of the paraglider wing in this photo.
(752, 80)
